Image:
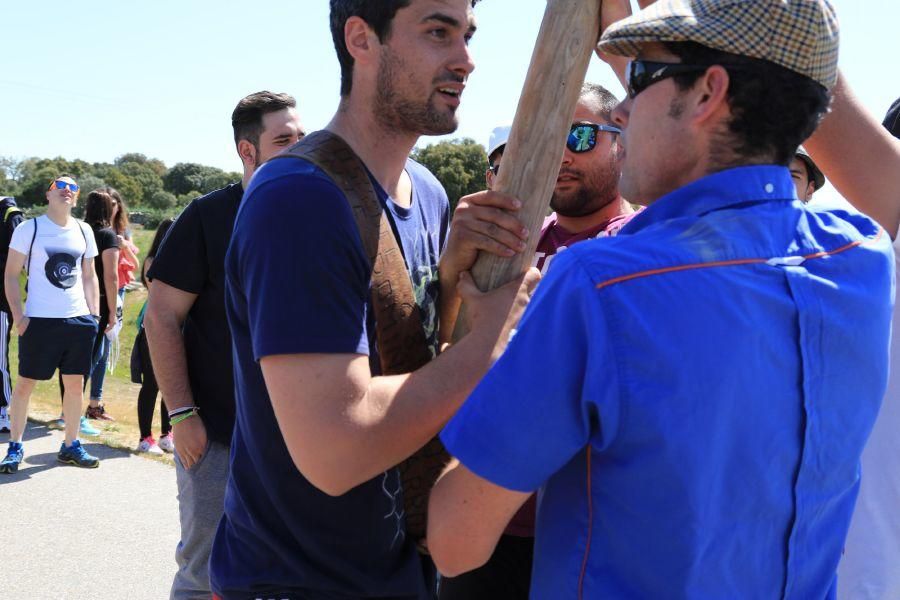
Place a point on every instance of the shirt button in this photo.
(770, 188)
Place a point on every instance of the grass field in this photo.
(119, 394)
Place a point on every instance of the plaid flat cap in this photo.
(800, 35)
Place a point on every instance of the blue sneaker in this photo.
(14, 456)
(87, 429)
(77, 455)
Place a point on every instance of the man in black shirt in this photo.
(10, 217)
(189, 340)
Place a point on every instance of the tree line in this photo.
(148, 185)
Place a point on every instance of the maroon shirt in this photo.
(555, 239)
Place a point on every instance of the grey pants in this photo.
(201, 499)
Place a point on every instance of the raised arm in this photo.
(859, 157)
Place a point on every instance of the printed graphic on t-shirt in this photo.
(60, 268)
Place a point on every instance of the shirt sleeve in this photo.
(108, 240)
(181, 260)
(298, 264)
(543, 400)
(21, 237)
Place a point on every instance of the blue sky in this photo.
(97, 78)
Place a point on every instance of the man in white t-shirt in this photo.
(57, 328)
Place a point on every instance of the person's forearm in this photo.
(395, 417)
(859, 157)
(13, 296)
(110, 287)
(169, 358)
(92, 294)
(450, 303)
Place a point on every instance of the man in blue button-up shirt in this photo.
(709, 377)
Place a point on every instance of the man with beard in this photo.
(188, 335)
(692, 397)
(586, 204)
(314, 506)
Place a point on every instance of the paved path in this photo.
(86, 534)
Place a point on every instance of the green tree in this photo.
(128, 186)
(458, 164)
(162, 200)
(186, 177)
(148, 181)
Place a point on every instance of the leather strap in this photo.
(402, 344)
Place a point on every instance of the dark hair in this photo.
(158, 238)
(247, 118)
(773, 108)
(378, 14)
(120, 223)
(602, 97)
(98, 209)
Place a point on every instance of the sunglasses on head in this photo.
(583, 136)
(61, 185)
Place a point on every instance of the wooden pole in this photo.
(543, 118)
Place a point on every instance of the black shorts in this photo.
(50, 344)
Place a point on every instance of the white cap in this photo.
(499, 137)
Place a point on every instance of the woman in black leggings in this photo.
(146, 403)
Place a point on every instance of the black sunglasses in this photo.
(641, 74)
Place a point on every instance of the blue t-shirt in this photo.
(708, 380)
(297, 281)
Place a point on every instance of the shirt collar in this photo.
(719, 190)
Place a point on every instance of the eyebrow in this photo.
(448, 20)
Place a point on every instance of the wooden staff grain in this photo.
(543, 118)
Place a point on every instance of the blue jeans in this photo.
(98, 369)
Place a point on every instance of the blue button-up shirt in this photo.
(693, 396)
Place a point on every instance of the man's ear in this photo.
(710, 93)
(361, 41)
(810, 190)
(247, 152)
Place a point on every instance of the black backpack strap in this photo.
(81, 229)
(30, 246)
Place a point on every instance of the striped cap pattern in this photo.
(800, 35)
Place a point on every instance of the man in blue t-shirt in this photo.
(314, 505)
(708, 377)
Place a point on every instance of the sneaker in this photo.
(149, 445)
(86, 428)
(59, 423)
(14, 456)
(4, 420)
(77, 455)
(98, 413)
(167, 443)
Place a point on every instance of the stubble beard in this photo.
(597, 190)
(405, 115)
